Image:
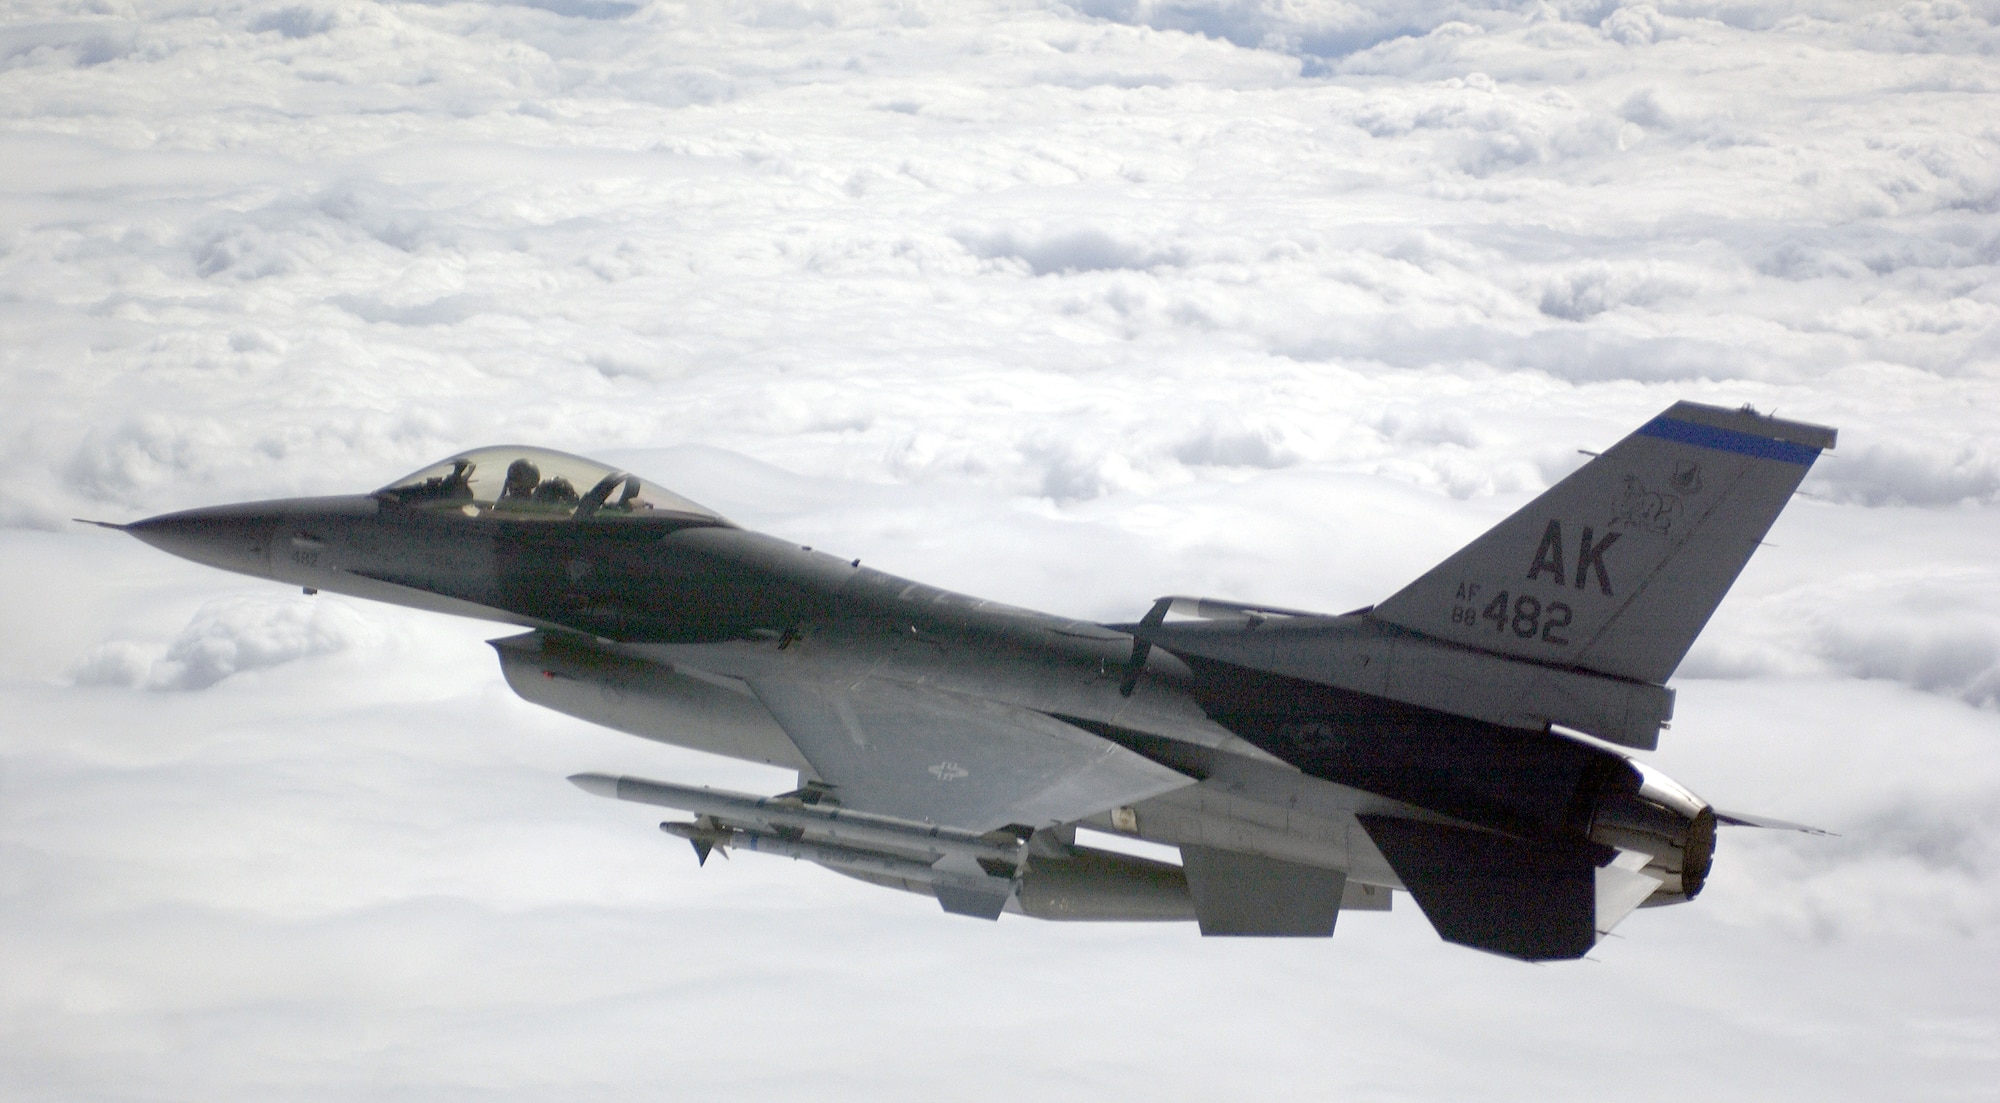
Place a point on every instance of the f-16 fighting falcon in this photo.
(1453, 742)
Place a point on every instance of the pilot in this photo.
(558, 491)
(452, 487)
(522, 478)
(458, 484)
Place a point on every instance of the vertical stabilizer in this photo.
(1617, 568)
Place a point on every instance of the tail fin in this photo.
(1616, 568)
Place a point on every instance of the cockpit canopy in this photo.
(517, 481)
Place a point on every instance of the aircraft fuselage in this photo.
(694, 595)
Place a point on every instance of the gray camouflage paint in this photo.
(1411, 746)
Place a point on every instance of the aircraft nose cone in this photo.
(234, 538)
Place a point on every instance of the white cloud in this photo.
(228, 636)
(1069, 305)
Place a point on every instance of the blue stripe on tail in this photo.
(1729, 440)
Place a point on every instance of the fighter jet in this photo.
(1457, 741)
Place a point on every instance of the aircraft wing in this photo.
(930, 755)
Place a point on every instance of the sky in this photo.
(1068, 305)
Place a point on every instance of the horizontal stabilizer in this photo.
(1495, 893)
(1744, 819)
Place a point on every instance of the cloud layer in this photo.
(1066, 304)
